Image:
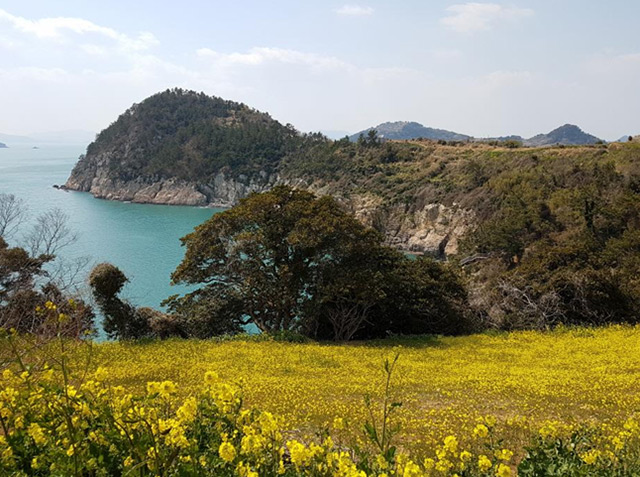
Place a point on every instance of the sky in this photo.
(478, 68)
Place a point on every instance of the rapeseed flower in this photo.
(227, 452)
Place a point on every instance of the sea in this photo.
(142, 240)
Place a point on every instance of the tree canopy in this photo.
(287, 260)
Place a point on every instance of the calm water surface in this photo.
(143, 240)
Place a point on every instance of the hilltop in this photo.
(411, 130)
(568, 135)
(3, 145)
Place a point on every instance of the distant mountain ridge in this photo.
(411, 130)
(568, 134)
(3, 145)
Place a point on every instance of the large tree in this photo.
(266, 260)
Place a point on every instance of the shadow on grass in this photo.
(406, 341)
(413, 341)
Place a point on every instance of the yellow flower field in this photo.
(523, 379)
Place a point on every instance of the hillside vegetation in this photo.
(555, 237)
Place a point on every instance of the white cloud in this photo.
(87, 74)
(355, 10)
(474, 17)
(94, 50)
(57, 28)
(263, 56)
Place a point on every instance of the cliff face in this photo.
(94, 175)
(433, 229)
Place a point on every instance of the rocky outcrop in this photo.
(94, 175)
(433, 229)
(223, 191)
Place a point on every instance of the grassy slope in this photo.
(416, 171)
(522, 378)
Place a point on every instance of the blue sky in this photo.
(480, 68)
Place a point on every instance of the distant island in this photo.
(3, 145)
(185, 148)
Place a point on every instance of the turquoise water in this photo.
(143, 240)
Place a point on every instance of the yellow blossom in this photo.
(227, 452)
(484, 463)
(503, 471)
(481, 431)
(504, 454)
(590, 457)
(451, 444)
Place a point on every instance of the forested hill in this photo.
(190, 136)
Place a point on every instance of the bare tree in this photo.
(527, 309)
(50, 233)
(29, 276)
(13, 212)
(69, 274)
(347, 318)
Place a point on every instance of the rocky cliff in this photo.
(93, 175)
(434, 229)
